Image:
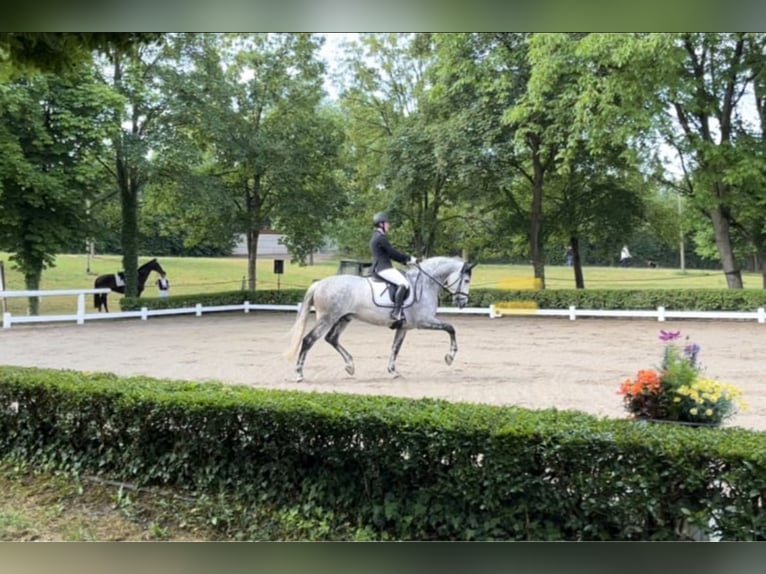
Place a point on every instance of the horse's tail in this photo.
(296, 333)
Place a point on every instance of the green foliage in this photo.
(59, 53)
(390, 468)
(51, 130)
(248, 143)
(636, 299)
(260, 297)
(647, 299)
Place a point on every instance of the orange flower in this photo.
(646, 381)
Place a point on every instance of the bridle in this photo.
(446, 286)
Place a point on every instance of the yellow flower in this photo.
(693, 412)
(709, 412)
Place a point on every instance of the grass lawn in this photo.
(203, 275)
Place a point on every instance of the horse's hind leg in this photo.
(397, 345)
(308, 342)
(332, 337)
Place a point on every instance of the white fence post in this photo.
(761, 315)
(6, 320)
(144, 313)
(81, 308)
(247, 306)
(661, 314)
(198, 310)
(572, 313)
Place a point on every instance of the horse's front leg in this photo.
(395, 347)
(441, 326)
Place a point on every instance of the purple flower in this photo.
(669, 335)
(691, 351)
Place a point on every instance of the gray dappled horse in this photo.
(340, 298)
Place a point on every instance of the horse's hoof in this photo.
(448, 359)
(350, 369)
(394, 374)
(299, 379)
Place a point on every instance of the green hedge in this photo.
(281, 297)
(406, 469)
(676, 299)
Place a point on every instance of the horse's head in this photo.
(458, 282)
(145, 270)
(154, 265)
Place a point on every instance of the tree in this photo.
(248, 108)
(688, 89)
(61, 52)
(712, 80)
(408, 144)
(51, 129)
(132, 74)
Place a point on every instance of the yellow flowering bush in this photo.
(677, 391)
(707, 401)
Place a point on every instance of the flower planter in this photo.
(682, 423)
(677, 389)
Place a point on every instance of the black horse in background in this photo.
(110, 281)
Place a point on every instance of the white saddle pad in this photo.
(118, 280)
(381, 296)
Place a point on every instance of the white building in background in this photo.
(269, 245)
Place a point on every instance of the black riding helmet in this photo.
(379, 218)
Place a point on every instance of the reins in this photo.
(444, 285)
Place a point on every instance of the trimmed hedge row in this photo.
(407, 469)
(281, 297)
(677, 299)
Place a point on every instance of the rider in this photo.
(382, 254)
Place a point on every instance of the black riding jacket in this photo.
(383, 252)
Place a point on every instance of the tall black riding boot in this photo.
(397, 314)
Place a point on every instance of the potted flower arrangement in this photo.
(678, 391)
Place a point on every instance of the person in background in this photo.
(163, 284)
(569, 256)
(625, 256)
(382, 254)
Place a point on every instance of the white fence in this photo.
(80, 316)
(660, 314)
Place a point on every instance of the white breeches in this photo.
(394, 276)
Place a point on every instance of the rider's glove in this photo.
(413, 261)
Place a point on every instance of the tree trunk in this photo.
(32, 283)
(252, 257)
(723, 242)
(129, 227)
(128, 187)
(577, 265)
(759, 258)
(536, 225)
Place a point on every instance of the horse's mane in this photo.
(438, 261)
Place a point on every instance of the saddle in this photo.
(383, 293)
